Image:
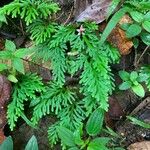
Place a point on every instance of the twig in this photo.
(69, 16)
(138, 61)
(21, 27)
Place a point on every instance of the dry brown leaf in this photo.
(5, 92)
(2, 136)
(115, 112)
(145, 145)
(95, 12)
(118, 38)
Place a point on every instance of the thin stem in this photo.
(138, 61)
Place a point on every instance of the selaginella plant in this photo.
(77, 141)
(75, 52)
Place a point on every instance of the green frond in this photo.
(30, 10)
(24, 90)
(41, 31)
(72, 116)
(53, 100)
(52, 134)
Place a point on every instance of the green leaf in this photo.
(125, 26)
(133, 76)
(95, 122)
(3, 67)
(74, 148)
(5, 55)
(3, 18)
(32, 144)
(18, 65)
(142, 77)
(7, 144)
(23, 52)
(133, 31)
(124, 75)
(98, 144)
(139, 122)
(147, 16)
(125, 86)
(9, 45)
(12, 78)
(145, 38)
(66, 136)
(77, 137)
(146, 25)
(137, 16)
(112, 7)
(139, 90)
(112, 23)
(136, 43)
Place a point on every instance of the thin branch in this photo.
(138, 61)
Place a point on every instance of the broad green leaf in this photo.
(147, 16)
(146, 25)
(112, 7)
(23, 52)
(136, 83)
(98, 144)
(133, 30)
(95, 122)
(145, 38)
(32, 144)
(66, 136)
(5, 55)
(77, 137)
(142, 77)
(7, 144)
(3, 67)
(136, 43)
(9, 45)
(12, 78)
(125, 76)
(138, 90)
(125, 86)
(125, 26)
(139, 122)
(18, 65)
(133, 75)
(137, 16)
(112, 23)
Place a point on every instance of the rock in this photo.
(145, 145)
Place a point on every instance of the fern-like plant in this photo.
(24, 90)
(75, 51)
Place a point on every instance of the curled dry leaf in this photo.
(145, 145)
(114, 113)
(95, 12)
(5, 92)
(118, 37)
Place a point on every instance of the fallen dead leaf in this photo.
(118, 38)
(5, 92)
(95, 12)
(145, 145)
(115, 112)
